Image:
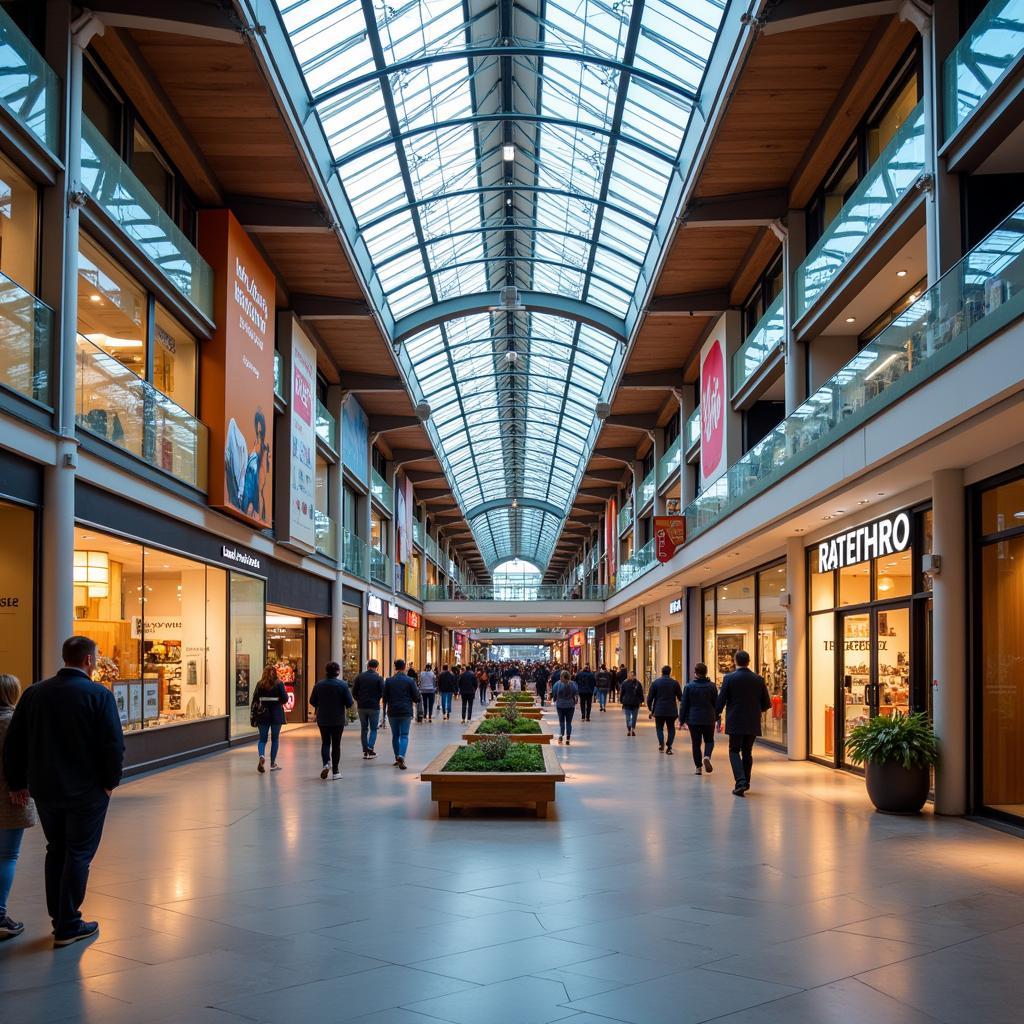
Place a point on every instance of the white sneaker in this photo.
(336, 776)
(275, 767)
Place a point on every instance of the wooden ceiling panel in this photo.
(704, 259)
(356, 345)
(313, 264)
(666, 343)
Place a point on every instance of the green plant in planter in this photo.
(495, 748)
(511, 712)
(907, 740)
(494, 726)
(520, 757)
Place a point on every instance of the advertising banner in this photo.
(355, 439)
(714, 391)
(669, 536)
(302, 492)
(611, 539)
(237, 400)
(403, 518)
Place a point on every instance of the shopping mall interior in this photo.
(618, 337)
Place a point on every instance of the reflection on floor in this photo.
(1017, 810)
(650, 896)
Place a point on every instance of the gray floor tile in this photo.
(523, 1001)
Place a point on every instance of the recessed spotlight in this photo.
(839, 512)
(864, 501)
(95, 298)
(901, 273)
(913, 296)
(851, 319)
(826, 517)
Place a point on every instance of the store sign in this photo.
(576, 640)
(240, 557)
(302, 488)
(875, 540)
(629, 621)
(393, 611)
(155, 627)
(676, 606)
(591, 634)
(714, 380)
(374, 605)
(237, 376)
(669, 536)
(412, 620)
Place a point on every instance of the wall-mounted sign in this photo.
(669, 536)
(240, 557)
(237, 378)
(714, 389)
(676, 606)
(874, 540)
(629, 621)
(576, 640)
(412, 620)
(393, 611)
(374, 605)
(302, 482)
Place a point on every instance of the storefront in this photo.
(351, 632)
(869, 635)
(997, 656)
(612, 651)
(576, 642)
(629, 653)
(375, 630)
(18, 591)
(748, 613)
(432, 645)
(290, 641)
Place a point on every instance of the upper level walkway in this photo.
(649, 896)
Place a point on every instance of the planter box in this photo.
(533, 713)
(492, 789)
(515, 737)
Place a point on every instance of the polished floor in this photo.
(649, 896)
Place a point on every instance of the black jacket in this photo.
(743, 697)
(699, 698)
(586, 683)
(367, 689)
(603, 679)
(64, 743)
(331, 698)
(631, 693)
(447, 683)
(622, 675)
(468, 684)
(273, 702)
(663, 695)
(401, 697)
(540, 676)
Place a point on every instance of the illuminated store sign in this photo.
(676, 606)
(240, 557)
(393, 611)
(374, 605)
(875, 540)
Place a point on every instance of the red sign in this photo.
(712, 409)
(669, 536)
(576, 640)
(412, 620)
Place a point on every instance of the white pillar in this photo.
(794, 249)
(796, 649)
(949, 630)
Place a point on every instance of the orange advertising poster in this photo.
(237, 388)
(669, 536)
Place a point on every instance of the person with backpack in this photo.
(331, 698)
(632, 697)
(699, 714)
(267, 715)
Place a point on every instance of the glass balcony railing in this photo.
(516, 592)
(898, 166)
(26, 342)
(635, 566)
(669, 462)
(29, 88)
(278, 373)
(989, 48)
(128, 412)
(381, 568)
(648, 488)
(625, 518)
(132, 207)
(326, 534)
(326, 426)
(382, 493)
(764, 341)
(354, 554)
(693, 430)
(417, 533)
(978, 297)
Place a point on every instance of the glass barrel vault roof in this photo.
(482, 145)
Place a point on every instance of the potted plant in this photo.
(897, 752)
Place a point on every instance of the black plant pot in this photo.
(897, 790)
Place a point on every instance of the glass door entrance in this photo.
(855, 674)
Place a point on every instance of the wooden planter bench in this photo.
(534, 713)
(492, 789)
(515, 737)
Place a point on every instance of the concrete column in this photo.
(58, 516)
(945, 198)
(949, 630)
(794, 248)
(796, 648)
(336, 498)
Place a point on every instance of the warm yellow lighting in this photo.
(92, 570)
(884, 583)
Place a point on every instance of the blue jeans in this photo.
(400, 734)
(565, 722)
(428, 703)
(274, 731)
(10, 844)
(369, 720)
(631, 714)
(602, 698)
(446, 703)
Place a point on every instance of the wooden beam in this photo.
(183, 17)
(627, 455)
(738, 210)
(263, 216)
(613, 476)
(706, 303)
(370, 382)
(327, 307)
(653, 380)
(381, 424)
(633, 420)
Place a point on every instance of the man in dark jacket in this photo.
(699, 714)
(467, 691)
(540, 682)
(743, 697)
(401, 698)
(586, 683)
(663, 702)
(65, 748)
(368, 688)
(332, 698)
(447, 686)
(632, 697)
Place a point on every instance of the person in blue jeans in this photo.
(14, 819)
(401, 698)
(603, 683)
(447, 684)
(632, 697)
(268, 704)
(565, 694)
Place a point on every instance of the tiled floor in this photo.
(649, 896)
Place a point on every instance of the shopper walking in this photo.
(744, 698)
(447, 686)
(267, 714)
(481, 682)
(467, 691)
(367, 689)
(331, 698)
(401, 698)
(64, 748)
(565, 694)
(663, 702)
(619, 676)
(15, 817)
(427, 685)
(602, 686)
(632, 697)
(699, 714)
(586, 684)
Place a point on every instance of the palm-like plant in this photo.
(908, 740)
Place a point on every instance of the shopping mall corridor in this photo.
(649, 896)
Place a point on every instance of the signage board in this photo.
(883, 537)
(237, 379)
(302, 485)
(232, 554)
(393, 611)
(412, 620)
(669, 536)
(714, 405)
(676, 606)
(373, 604)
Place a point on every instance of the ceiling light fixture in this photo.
(508, 152)
(851, 319)
(901, 273)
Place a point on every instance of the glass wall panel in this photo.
(351, 641)
(17, 587)
(709, 633)
(735, 625)
(19, 225)
(823, 685)
(772, 657)
(894, 576)
(375, 637)
(822, 585)
(855, 584)
(174, 361)
(248, 646)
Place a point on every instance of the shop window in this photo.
(102, 106)
(174, 361)
(152, 170)
(351, 641)
(1002, 508)
(734, 624)
(894, 576)
(19, 226)
(772, 654)
(17, 591)
(855, 584)
(895, 111)
(822, 586)
(823, 685)
(248, 646)
(709, 633)
(378, 531)
(374, 637)
(286, 651)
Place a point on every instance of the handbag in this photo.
(257, 711)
